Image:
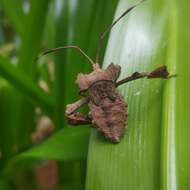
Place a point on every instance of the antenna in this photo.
(66, 47)
(109, 28)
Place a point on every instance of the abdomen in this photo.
(108, 110)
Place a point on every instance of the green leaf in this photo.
(68, 144)
(154, 152)
(25, 85)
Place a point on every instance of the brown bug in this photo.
(108, 111)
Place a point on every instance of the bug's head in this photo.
(85, 81)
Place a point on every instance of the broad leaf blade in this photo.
(138, 43)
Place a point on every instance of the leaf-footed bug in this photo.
(108, 111)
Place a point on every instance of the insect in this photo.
(108, 110)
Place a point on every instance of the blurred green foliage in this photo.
(30, 90)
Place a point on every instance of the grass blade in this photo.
(15, 13)
(31, 42)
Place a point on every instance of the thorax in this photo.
(101, 90)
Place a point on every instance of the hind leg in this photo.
(160, 72)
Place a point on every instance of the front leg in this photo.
(160, 72)
(78, 119)
(75, 118)
(71, 108)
